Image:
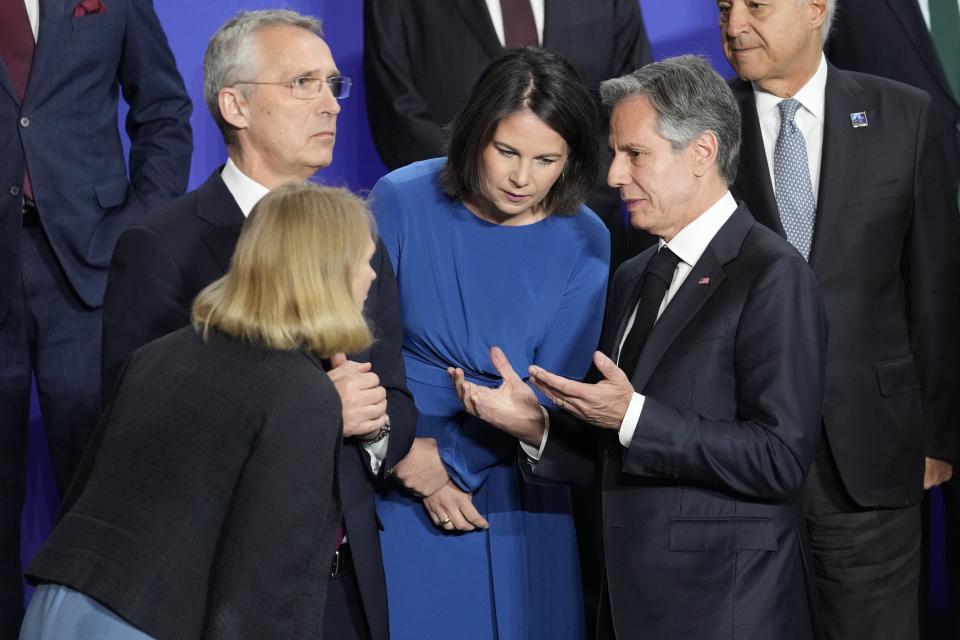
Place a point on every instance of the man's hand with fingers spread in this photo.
(602, 404)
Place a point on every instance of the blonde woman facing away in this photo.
(206, 505)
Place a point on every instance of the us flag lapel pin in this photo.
(704, 280)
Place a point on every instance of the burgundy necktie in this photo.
(519, 28)
(16, 51)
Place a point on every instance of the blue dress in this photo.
(537, 291)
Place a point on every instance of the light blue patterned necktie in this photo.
(791, 175)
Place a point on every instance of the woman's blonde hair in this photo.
(291, 276)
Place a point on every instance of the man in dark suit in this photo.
(277, 111)
(898, 40)
(422, 57)
(851, 169)
(68, 193)
(705, 406)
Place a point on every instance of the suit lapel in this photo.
(911, 19)
(693, 294)
(477, 19)
(840, 155)
(753, 180)
(216, 206)
(53, 18)
(7, 85)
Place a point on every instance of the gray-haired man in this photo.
(272, 86)
(699, 421)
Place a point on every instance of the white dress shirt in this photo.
(247, 192)
(925, 10)
(689, 244)
(33, 13)
(809, 119)
(496, 14)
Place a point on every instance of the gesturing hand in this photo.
(363, 400)
(421, 471)
(511, 407)
(453, 510)
(602, 404)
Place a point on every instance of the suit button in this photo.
(14, 191)
(24, 122)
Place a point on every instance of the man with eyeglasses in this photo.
(272, 87)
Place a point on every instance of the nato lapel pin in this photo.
(858, 119)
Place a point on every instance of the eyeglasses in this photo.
(307, 88)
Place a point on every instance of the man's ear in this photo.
(704, 148)
(818, 13)
(234, 108)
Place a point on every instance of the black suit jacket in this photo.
(700, 513)
(889, 38)
(885, 254)
(422, 58)
(206, 504)
(157, 270)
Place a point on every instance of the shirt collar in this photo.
(690, 243)
(246, 191)
(812, 96)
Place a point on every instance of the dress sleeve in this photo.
(387, 211)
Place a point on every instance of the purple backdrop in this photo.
(679, 26)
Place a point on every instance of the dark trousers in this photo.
(866, 561)
(344, 618)
(50, 334)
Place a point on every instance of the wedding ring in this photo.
(561, 403)
(444, 522)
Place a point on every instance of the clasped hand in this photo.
(422, 472)
(363, 400)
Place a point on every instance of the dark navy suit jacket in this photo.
(157, 270)
(700, 513)
(66, 131)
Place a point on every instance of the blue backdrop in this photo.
(678, 26)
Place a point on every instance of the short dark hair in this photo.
(546, 84)
(690, 99)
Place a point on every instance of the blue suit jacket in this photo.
(66, 131)
(700, 513)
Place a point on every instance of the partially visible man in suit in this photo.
(272, 86)
(851, 169)
(705, 403)
(914, 41)
(918, 43)
(69, 190)
(422, 57)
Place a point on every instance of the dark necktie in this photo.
(16, 51)
(945, 29)
(656, 281)
(519, 28)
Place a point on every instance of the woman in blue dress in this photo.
(491, 246)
